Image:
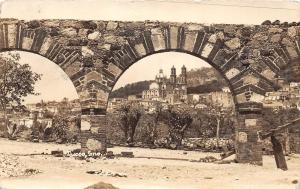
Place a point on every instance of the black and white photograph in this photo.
(149, 94)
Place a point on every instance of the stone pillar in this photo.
(93, 133)
(248, 144)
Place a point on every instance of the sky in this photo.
(203, 11)
(55, 85)
(148, 67)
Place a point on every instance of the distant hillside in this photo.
(202, 80)
(206, 88)
(203, 76)
(131, 89)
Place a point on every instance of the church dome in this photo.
(154, 85)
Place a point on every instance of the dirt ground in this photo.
(144, 173)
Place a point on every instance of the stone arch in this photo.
(252, 62)
(246, 83)
(94, 54)
(14, 36)
(60, 42)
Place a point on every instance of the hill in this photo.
(203, 76)
(202, 80)
(206, 88)
(130, 89)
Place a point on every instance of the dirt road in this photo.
(143, 173)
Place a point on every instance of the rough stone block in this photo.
(207, 49)
(232, 72)
(276, 38)
(242, 137)
(256, 97)
(45, 46)
(69, 32)
(195, 27)
(83, 32)
(158, 39)
(27, 43)
(275, 30)
(250, 123)
(190, 39)
(233, 43)
(173, 37)
(86, 51)
(12, 34)
(250, 79)
(111, 26)
(292, 31)
(94, 36)
(140, 49)
(94, 145)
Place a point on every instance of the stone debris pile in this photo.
(10, 166)
(101, 185)
(208, 144)
(107, 173)
(208, 159)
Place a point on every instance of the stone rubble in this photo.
(107, 173)
(10, 166)
(208, 144)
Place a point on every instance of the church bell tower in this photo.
(173, 75)
(183, 75)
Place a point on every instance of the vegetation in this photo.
(178, 119)
(16, 82)
(213, 122)
(276, 117)
(168, 127)
(127, 119)
(272, 118)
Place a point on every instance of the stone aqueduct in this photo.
(252, 58)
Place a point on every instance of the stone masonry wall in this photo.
(95, 53)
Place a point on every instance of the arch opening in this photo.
(182, 54)
(51, 111)
(167, 80)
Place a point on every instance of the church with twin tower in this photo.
(170, 90)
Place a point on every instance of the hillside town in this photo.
(173, 91)
(37, 120)
(287, 97)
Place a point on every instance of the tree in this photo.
(128, 116)
(16, 82)
(217, 116)
(213, 121)
(178, 118)
(275, 117)
(60, 128)
(152, 123)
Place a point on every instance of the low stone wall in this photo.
(208, 144)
